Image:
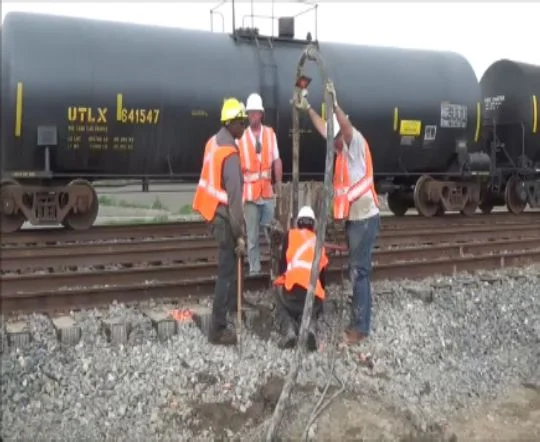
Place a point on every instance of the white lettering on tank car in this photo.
(493, 103)
(430, 132)
(453, 116)
(406, 140)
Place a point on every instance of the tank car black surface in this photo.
(511, 133)
(85, 99)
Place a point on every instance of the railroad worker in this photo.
(298, 253)
(259, 156)
(218, 198)
(356, 202)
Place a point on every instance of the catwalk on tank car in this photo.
(511, 135)
(84, 100)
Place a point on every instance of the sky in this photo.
(483, 32)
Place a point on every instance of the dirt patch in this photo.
(224, 420)
(513, 418)
(352, 418)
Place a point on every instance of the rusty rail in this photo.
(198, 228)
(171, 282)
(27, 283)
(192, 249)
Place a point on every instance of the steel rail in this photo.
(187, 228)
(192, 249)
(19, 283)
(201, 283)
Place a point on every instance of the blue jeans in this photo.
(257, 214)
(361, 237)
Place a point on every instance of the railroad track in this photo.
(186, 249)
(198, 228)
(164, 268)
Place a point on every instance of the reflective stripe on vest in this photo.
(210, 185)
(209, 192)
(296, 262)
(257, 174)
(345, 193)
(302, 248)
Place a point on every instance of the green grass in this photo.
(154, 220)
(105, 200)
(186, 210)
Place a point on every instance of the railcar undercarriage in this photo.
(432, 197)
(74, 205)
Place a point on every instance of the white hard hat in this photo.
(337, 128)
(306, 212)
(254, 103)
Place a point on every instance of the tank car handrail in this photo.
(213, 11)
(267, 17)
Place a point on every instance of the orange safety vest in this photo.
(210, 192)
(257, 174)
(300, 256)
(346, 193)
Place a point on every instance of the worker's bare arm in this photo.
(277, 164)
(317, 121)
(344, 124)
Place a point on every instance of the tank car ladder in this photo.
(268, 76)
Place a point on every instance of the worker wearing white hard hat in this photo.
(356, 202)
(298, 253)
(260, 162)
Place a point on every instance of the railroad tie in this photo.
(116, 330)
(67, 331)
(164, 323)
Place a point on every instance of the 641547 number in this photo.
(140, 116)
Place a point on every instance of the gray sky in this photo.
(483, 32)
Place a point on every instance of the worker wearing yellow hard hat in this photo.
(232, 111)
(218, 198)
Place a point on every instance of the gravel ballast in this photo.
(440, 346)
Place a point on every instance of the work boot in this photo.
(311, 340)
(289, 339)
(225, 336)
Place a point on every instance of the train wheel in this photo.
(396, 203)
(421, 203)
(486, 207)
(87, 206)
(469, 208)
(514, 196)
(11, 218)
(440, 210)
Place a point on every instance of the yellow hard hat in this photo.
(232, 110)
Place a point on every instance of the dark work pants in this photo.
(227, 281)
(290, 307)
(361, 236)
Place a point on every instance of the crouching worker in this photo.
(298, 253)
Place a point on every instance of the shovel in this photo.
(239, 303)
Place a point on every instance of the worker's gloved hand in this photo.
(302, 103)
(330, 88)
(240, 248)
(276, 230)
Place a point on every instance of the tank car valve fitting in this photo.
(312, 53)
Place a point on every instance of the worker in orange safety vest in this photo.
(259, 156)
(356, 202)
(218, 198)
(298, 253)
